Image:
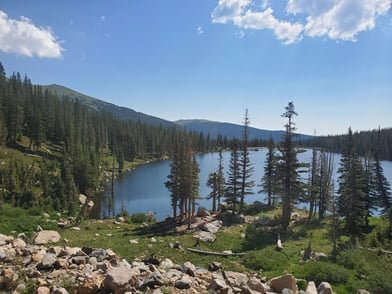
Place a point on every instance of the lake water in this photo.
(143, 189)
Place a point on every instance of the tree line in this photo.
(68, 146)
(363, 140)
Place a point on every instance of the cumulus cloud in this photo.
(336, 19)
(23, 37)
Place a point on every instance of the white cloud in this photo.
(199, 30)
(336, 19)
(345, 19)
(239, 13)
(24, 38)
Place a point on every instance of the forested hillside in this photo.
(364, 142)
(99, 105)
(52, 148)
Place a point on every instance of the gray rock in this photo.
(78, 260)
(166, 264)
(48, 261)
(236, 279)
(362, 291)
(256, 285)
(325, 288)
(217, 285)
(46, 236)
(119, 279)
(214, 266)
(4, 239)
(287, 291)
(189, 268)
(206, 237)
(100, 254)
(152, 280)
(211, 227)
(183, 283)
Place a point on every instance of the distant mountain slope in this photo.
(232, 130)
(99, 105)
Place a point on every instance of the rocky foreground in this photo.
(35, 267)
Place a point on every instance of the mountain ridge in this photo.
(101, 105)
(207, 127)
(231, 130)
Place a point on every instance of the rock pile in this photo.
(61, 269)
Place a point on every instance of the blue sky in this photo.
(207, 59)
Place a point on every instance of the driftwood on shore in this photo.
(215, 253)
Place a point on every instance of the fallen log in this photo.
(215, 253)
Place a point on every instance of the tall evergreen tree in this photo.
(246, 168)
(269, 182)
(380, 187)
(220, 179)
(288, 169)
(233, 183)
(352, 198)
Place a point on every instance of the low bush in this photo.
(320, 271)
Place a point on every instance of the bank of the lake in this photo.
(143, 189)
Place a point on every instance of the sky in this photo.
(210, 59)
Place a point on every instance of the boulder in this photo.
(48, 261)
(325, 288)
(4, 239)
(311, 288)
(189, 268)
(211, 227)
(255, 284)
(202, 212)
(152, 280)
(183, 283)
(287, 281)
(119, 279)
(206, 237)
(362, 291)
(236, 279)
(46, 236)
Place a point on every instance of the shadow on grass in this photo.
(167, 227)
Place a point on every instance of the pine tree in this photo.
(220, 179)
(292, 187)
(233, 184)
(212, 182)
(269, 179)
(246, 169)
(325, 189)
(380, 187)
(352, 198)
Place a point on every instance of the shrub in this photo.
(140, 218)
(267, 259)
(320, 271)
